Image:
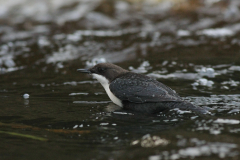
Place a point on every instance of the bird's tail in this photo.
(189, 106)
(162, 106)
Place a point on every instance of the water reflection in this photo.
(191, 46)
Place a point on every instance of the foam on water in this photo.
(144, 66)
(222, 150)
(227, 121)
(218, 32)
(91, 102)
(75, 94)
(148, 141)
(26, 96)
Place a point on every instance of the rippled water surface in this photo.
(50, 111)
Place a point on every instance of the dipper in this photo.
(138, 92)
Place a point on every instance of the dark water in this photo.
(191, 46)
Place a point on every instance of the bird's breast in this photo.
(105, 83)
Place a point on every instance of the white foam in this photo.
(183, 33)
(26, 96)
(222, 150)
(74, 94)
(217, 32)
(104, 124)
(227, 121)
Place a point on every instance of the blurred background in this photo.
(193, 46)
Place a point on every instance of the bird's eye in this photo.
(101, 70)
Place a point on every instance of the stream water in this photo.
(50, 111)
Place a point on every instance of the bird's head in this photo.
(104, 72)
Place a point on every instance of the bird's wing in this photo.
(140, 89)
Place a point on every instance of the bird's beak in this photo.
(83, 70)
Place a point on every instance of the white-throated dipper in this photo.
(138, 92)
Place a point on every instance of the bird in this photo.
(138, 92)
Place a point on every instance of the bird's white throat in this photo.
(105, 83)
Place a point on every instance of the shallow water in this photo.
(48, 110)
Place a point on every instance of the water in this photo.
(48, 110)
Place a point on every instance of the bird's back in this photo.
(139, 88)
(144, 94)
